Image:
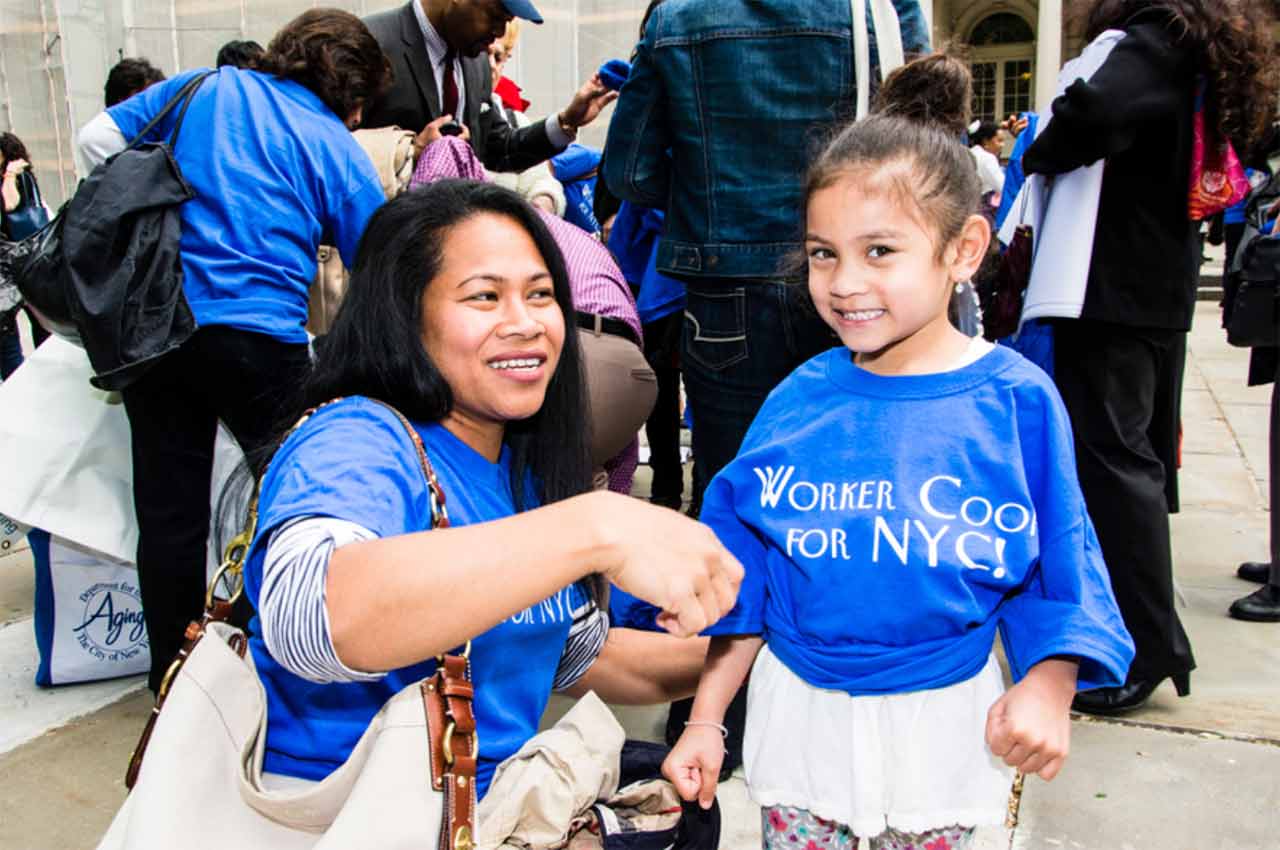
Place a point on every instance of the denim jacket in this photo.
(726, 102)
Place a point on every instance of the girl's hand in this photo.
(16, 166)
(668, 560)
(693, 765)
(1030, 726)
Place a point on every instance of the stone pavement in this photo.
(1179, 774)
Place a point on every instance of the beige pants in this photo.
(621, 390)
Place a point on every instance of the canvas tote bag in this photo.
(196, 775)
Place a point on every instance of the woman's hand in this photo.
(668, 560)
(1030, 726)
(15, 167)
(693, 765)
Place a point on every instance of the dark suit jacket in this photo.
(412, 101)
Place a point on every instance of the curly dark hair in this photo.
(11, 148)
(934, 89)
(1233, 40)
(333, 54)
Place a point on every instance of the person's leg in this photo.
(171, 429)
(740, 340)
(787, 828)
(1273, 477)
(252, 383)
(1165, 431)
(1263, 605)
(947, 838)
(38, 333)
(1108, 377)
(10, 347)
(662, 428)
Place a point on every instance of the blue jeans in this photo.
(10, 347)
(741, 338)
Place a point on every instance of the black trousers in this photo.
(662, 429)
(246, 380)
(1273, 483)
(1121, 386)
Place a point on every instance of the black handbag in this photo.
(1252, 315)
(107, 270)
(30, 215)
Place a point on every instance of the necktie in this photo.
(450, 86)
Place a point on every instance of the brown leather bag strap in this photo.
(447, 696)
(453, 748)
(439, 512)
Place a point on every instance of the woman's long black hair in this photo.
(375, 348)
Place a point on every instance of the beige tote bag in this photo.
(196, 775)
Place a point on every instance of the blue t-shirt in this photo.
(354, 461)
(889, 525)
(275, 171)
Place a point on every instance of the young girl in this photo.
(897, 501)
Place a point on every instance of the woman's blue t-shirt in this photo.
(275, 172)
(353, 460)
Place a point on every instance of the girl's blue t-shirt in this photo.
(275, 173)
(353, 460)
(890, 525)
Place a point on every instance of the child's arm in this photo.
(1030, 726)
(693, 766)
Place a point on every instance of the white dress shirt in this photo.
(438, 48)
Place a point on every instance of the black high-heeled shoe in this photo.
(1127, 697)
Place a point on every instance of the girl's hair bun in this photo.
(934, 89)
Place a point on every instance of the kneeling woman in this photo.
(455, 316)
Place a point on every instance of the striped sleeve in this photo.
(586, 640)
(291, 605)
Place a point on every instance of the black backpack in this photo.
(1252, 280)
(107, 270)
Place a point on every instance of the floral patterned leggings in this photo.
(786, 828)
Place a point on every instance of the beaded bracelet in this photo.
(724, 730)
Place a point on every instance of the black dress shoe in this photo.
(1261, 606)
(1255, 571)
(1126, 697)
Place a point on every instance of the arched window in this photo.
(1001, 28)
(1003, 64)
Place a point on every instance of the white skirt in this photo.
(914, 761)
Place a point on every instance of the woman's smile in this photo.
(523, 366)
(492, 326)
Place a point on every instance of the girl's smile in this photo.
(879, 278)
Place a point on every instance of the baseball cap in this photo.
(523, 9)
